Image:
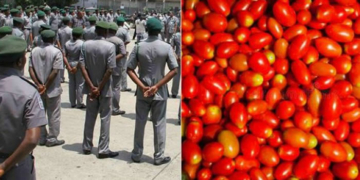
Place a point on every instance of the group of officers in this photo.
(93, 50)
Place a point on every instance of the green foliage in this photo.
(58, 3)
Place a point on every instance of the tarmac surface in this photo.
(67, 161)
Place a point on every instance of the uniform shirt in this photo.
(8, 21)
(2, 19)
(72, 51)
(36, 26)
(123, 34)
(175, 41)
(43, 59)
(97, 56)
(87, 23)
(76, 22)
(116, 15)
(170, 24)
(38, 41)
(18, 33)
(55, 21)
(89, 33)
(34, 18)
(152, 65)
(64, 34)
(27, 22)
(140, 26)
(21, 108)
(119, 49)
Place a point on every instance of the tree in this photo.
(49, 2)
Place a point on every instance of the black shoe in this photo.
(73, 106)
(82, 106)
(108, 155)
(163, 161)
(42, 142)
(54, 143)
(174, 96)
(127, 89)
(118, 112)
(86, 152)
(135, 161)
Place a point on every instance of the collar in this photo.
(9, 71)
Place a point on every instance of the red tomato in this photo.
(211, 132)
(230, 143)
(314, 101)
(273, 97)
(244, 18)
(249, 146)
(194, 131)
(333, 151)
(299, 46)
(207, 68)
(303, 17)
(323, 83)
(219, 38)
(224, 166)
(244, 164)
(288, 152)
(204, 95)
(254, 93)
(294, 31)
(258, 8)
(328, 47)
(212, 115)
(340, 33)
(283, 171)
(303, 120)
(190, 15)
(257, 174)
(275, 28)
(354, 75)
(185, 111)
(260, 129)
(239, 175)
(296, 95)
(281, 66)
(238, 62)
(284, 14)
(342, 64)
(345, 170)
(204, 49)
(256, 107)
(330, 107)
(275, 139)
(352, 48)
(280, 48)
(190, 87)
(268, 156)
(204, 174)
(191, 152)
(214, 84)
(354, 139)
(325, 13)
(342, 88)
(306, 166)
(322, 69)
(259, 63)
(240, 6)
(241, 35)
(311, 56)
(285, 109)
(251, 79)
(213, 152)
(238, 114)
(296, 137)
(215, 22)
(324, 164)
(301, 72)
(259, 40)
(221, 7)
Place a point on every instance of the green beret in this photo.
(92, 19)
(66, 7)
(66, 19)
(41, 13)
(28, 10)
(14, 11)
(18, 7)
(77, 31)
(71, 11)
(35, 7)
(47, 34)
(41, 6)
(54, 8)
(102, 24)
(18, 20)
(113, 26)
(47, 9)
(120, 19)
(45, 27)
(6, 6)
(11, 48)
(5, 30)
(62, 11)
(153, 24)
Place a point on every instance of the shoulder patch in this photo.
(32, 84)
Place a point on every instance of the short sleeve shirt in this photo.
(97, 56)
(16, 32)
(64, 34)
(43, 59)
(21, 109)
(89, 33)
(152, 65)
(123, 34)
(176, 42)
(171, 23)
(76, 22)
(120, 49)
(36, 27)
(55, 21)
(72, 51)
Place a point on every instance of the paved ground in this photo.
(66, 162)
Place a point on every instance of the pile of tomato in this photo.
(270, 89)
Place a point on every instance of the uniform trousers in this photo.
(76, 84)
(53, 110)
(100, 105)
(158, 118)
(168, 37)
(123, 75)
(176, 83)
(27, 38)
(24, 170)
(116, 87)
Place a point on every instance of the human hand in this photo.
(95, 93)
(73, 70)
(151, 91)
(2, 169)
(41, 89)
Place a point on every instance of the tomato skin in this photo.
(214, 84)
(342, 131)
(324, 82)
(354, 75)
(328, 47)
(204, 174)
(285, 109)
(295, 137)
(342, 88)
(254, 93)
(227, 49)
(256, 107)
(342, 64)
(268, 156)
(212, 115)
(259, 63)
(219, 38)
(239, 175)
(280, 48)
(244, 164)
(298, 47)
(296, 95)
(204, 49)
(281, 66)
(340, 33)
(275, 28)
(240, 6)
(288, 153)
(311, 56)
(294, 31)
(190, 15)
(283, 171)
(215, 22)
(190, 88)
(325, 13)
(258, 8)
(230, 143)
(257, 174)
(194, 130)
(310, 162)
(330, 107)
(259, 40)
(314, 101)
(249, 146)
(275, 140)
(221, 7)
(251, 79)
(207, 68)
(284, 14)
(301, 72)
(204, 95)
(213, 152)
(333, 151)
(349, 151)
(325, 175)
(354, 139)
(191, 152)
(224, 166)
(245, 18)
(352, 48)
(260, 129)
(303, 17)
(345, 170)
(238, 114)
(187, 63)
(322, 69)
(324, 164)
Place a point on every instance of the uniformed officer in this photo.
(152, 92)
(78, 21)
(97, 61)
(45, 63)
(27, 28)
(76, 81)
(17, 27)
(89, 32)
(55, 20)
(36, 25)
(140, 24)
(5, 30)
(116, 75)
(117, 14)
(47, 15)
(86, 16)
(176, 44)
(38, 39)
(9, 19)
(171, 26)
(64, 34)
(110, 16)
(20, 130)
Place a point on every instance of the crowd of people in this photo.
(92, 47)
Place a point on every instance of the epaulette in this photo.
(32, 84)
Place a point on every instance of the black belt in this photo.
(2, 155)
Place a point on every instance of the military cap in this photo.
(41, 13)
(28, 10)
(45, 27)
(41, 6)
(6, 5)
(92, 18)
(35, 7)
(11, 48)
(47, 34)
(14, 11)
(18, 7)
(62, 11)
(71, 11)
(87, 10)
(54, 8)
(153, 24)
(120, 19)
(113, 26)
(66, 7)
(47, 9)
(77, 31)
(66, 19)
(5, 30)
(102, 24)
(18, 20)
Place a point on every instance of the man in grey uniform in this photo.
(171, 26)
(76, 81)
(97, 61)
(86, 16)
(64, 35)
(123, 34)
(21, 113)
(55, 20)
(152, 92)
(45, 63)
(27, 28)
(176, 44)
(17, 28)
(79, 20)
(89, 32)
(4, 31)
(36, 25)
(116, 75)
